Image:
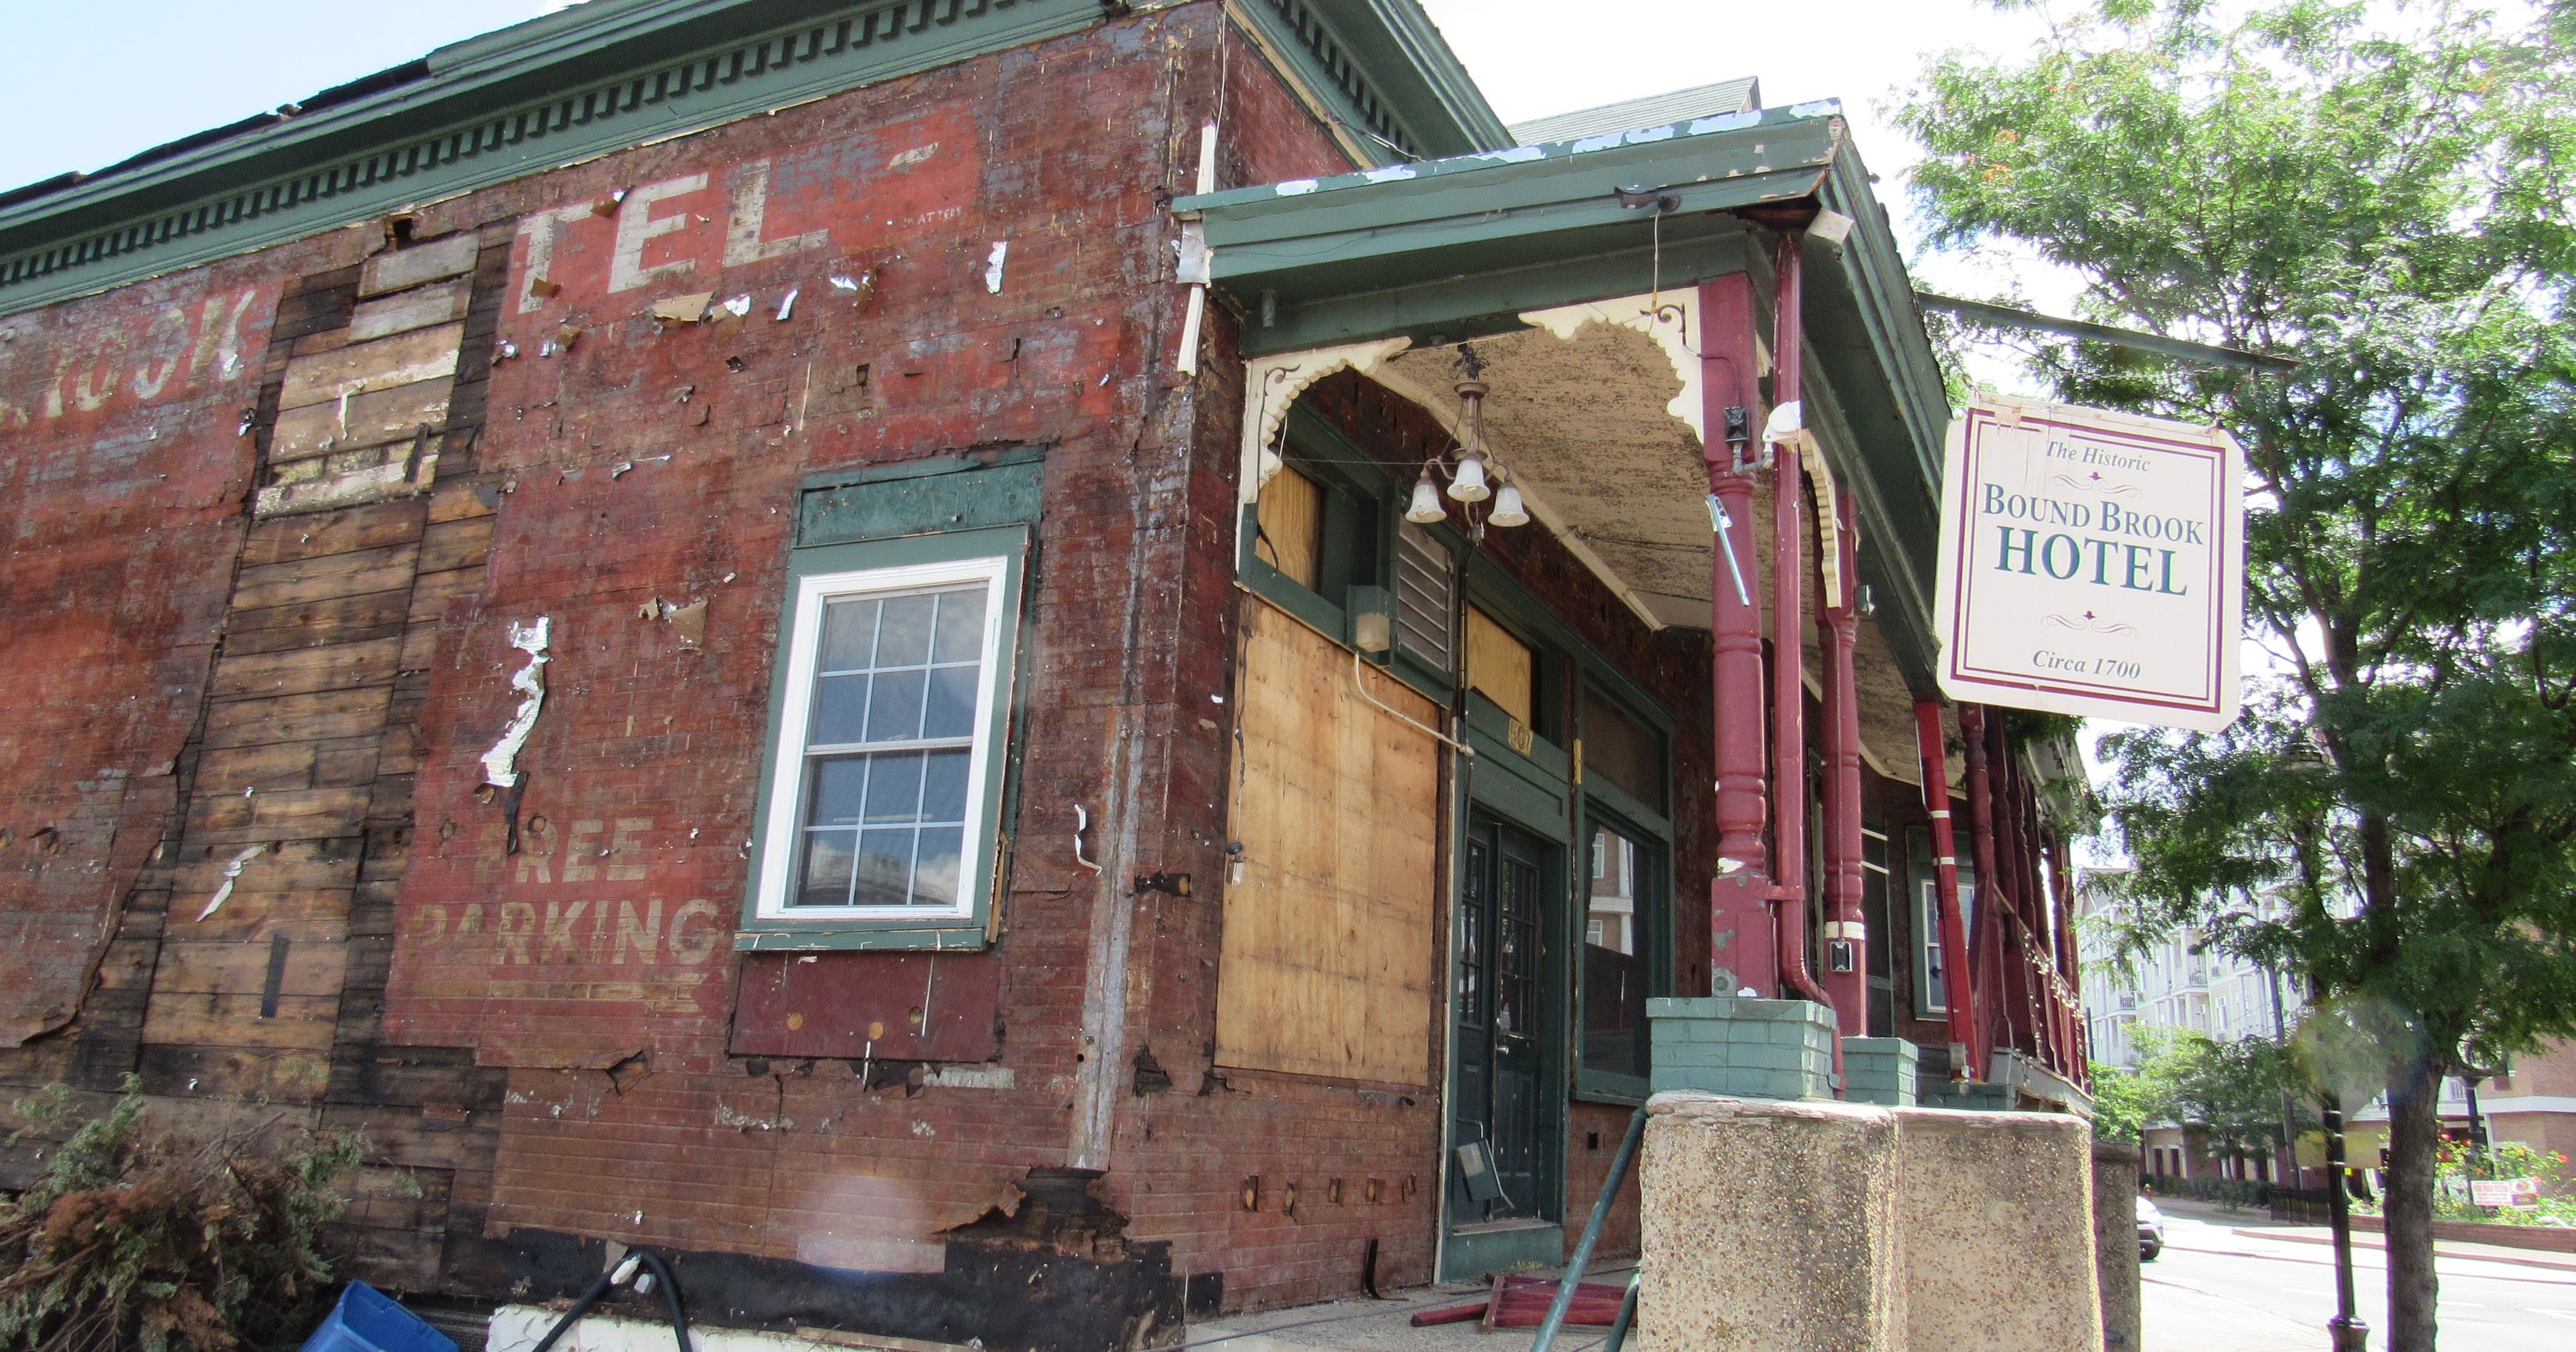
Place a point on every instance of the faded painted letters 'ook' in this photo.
(2092, 563)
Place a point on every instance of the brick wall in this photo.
(527, 997)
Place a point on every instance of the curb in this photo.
(2439, 1251)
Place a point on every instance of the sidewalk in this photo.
(1385, 1325)
(2255, 1225)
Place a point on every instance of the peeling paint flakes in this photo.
(1515, 155)
(688, 309)
(993, 266)
(232, 873)
(787, 305)
(1725, 122)
(501, 762)
(1649, 135)
(1295, 187)
(1605, 141)
(1393, 173)
(1819, 108)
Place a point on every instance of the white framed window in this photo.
(880, 802)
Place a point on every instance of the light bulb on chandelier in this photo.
(1508, 510)
(1425, 509)
(1470, 484)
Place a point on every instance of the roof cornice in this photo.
(566, 87)
(1382, 70)
(601, 76)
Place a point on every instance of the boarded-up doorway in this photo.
(1328, 960)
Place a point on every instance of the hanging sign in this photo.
(2092, 563)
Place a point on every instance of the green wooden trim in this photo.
(1383, 70)
(1621, 807)
(1479, 291)
(1507, 784)
(940, 493)
(591, 80)
(1496, 233)
(986, 866)
(1545, 762)
(851, 936)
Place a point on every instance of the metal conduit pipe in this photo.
(1788, 659)
(1968, 1051)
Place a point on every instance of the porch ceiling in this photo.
(1478, 248)
(1582, 418)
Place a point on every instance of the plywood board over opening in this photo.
(1328, 958)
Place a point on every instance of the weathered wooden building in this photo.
(996, 668)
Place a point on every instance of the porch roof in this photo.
(1463, 248)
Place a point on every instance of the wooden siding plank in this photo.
(298, 671)
(402, 359)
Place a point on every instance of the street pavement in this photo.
(2218, 1288)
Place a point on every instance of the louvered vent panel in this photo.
(1426, 596)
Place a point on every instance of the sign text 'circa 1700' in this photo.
(2092, 563)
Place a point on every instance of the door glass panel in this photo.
(1614, 967)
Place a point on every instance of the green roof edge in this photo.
(540, 94)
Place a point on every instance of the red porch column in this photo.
(1847, 936)
(1742, 954)
(1968, 1047)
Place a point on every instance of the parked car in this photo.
(2151, 1231)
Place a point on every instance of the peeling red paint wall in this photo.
(122, 472)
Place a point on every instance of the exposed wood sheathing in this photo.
(250, 957)
(1326, 963)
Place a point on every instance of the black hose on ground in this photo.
(660, 1275)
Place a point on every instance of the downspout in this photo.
(1740, 927)
(1990, 893)
(1846, 926)
(1788, 660)
(2003, 827)
(1958, 982)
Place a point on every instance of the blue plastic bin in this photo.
(368, 1320)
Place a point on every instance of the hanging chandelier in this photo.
(1473, 477)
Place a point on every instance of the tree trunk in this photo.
(2414, 1128)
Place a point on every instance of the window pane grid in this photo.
(889, 747)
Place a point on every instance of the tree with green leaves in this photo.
(2228, 1093)
(2393, 212)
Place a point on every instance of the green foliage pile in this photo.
(133, 1238)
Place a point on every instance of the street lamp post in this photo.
(2349, 1333)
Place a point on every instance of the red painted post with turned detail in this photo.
(1846, 968)
(1740, 932)
(1968, 1047)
